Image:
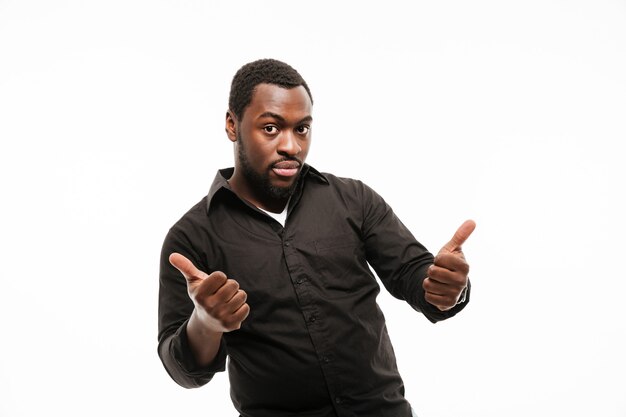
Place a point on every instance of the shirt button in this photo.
(287, 244)
(299, 281)
(312, 319)
(338, 400)
(325, 359)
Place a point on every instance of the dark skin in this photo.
(275, 132)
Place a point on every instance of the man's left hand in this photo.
(446, 279)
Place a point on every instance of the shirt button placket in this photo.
(312, 316)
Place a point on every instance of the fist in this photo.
(219, 302)
(447, 279)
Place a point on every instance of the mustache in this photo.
(287, 159)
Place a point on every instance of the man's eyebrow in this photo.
(272, 115)
(307, 119)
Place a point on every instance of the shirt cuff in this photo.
(183, 356)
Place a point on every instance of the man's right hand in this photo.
(219, 303)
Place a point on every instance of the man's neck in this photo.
(257, 199)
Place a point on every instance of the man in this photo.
(270, 269)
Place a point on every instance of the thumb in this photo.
(460, 236)
(186, 267)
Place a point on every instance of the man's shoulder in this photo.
(346, 184)
(352, 189)
(195, 215)
(341, 181)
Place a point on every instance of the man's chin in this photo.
(281, 190)
(280, 193)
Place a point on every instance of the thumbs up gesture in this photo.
(446, 279)
(219, 303)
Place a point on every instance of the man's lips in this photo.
(286, 168)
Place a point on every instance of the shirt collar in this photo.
(221, 180)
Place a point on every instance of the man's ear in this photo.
(231, 126)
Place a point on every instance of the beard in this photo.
(261, 181)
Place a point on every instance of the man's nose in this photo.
(288, 144)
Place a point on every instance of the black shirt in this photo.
(315, 342)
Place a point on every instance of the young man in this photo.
(270, 269)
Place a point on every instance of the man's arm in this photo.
(195, 309)
(220, 306)
(403, 264)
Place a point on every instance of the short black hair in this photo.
(270, 71)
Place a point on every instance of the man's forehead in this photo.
(276, 99)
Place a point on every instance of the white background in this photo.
(511, 113)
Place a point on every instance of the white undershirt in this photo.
(279, 217)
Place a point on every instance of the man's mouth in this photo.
(286, 168)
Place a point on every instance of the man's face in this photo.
(273, 138)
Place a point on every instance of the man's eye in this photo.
(270, 129)
(303, 130)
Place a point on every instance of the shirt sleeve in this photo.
(175, 308)
(400, 261)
